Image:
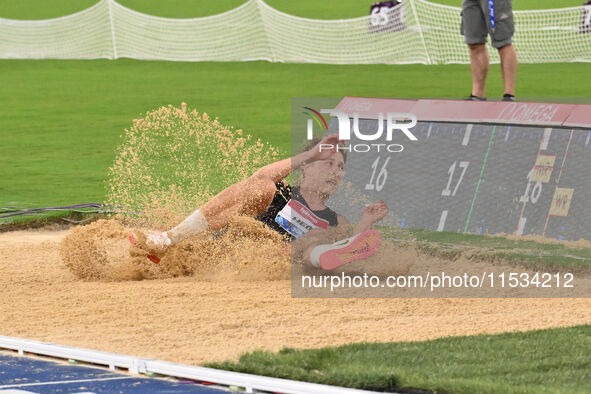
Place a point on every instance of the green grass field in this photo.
(61, 120)
(545, 361)
(449, 245)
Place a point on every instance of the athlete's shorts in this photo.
(476, 24)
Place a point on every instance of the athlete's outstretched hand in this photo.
(371, 214)
(325, 148)
(374, 212)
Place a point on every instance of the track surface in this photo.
(190, 321)
(30, 375)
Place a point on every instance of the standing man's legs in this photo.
(501, 39)
(476, 26)
(479, 64)
(475, 30)
(509, 67)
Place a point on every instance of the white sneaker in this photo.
(157, 240)
(153, 242)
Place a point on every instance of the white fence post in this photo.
(260, 4)
(110, 8)
(414, 10)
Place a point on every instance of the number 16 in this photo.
(382, 176)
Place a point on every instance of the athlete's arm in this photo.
(281, 169)
(371, 214)
(342, 220)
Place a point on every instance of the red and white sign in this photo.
(496, 112)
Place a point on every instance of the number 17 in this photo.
(447, 191)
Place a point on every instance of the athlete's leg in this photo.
(249, 197)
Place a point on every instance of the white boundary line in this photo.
(252, 383)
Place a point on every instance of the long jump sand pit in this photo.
(190, 320)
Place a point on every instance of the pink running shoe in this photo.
(358, 247)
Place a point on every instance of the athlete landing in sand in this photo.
(293, 211)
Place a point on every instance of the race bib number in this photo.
(297, 219)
